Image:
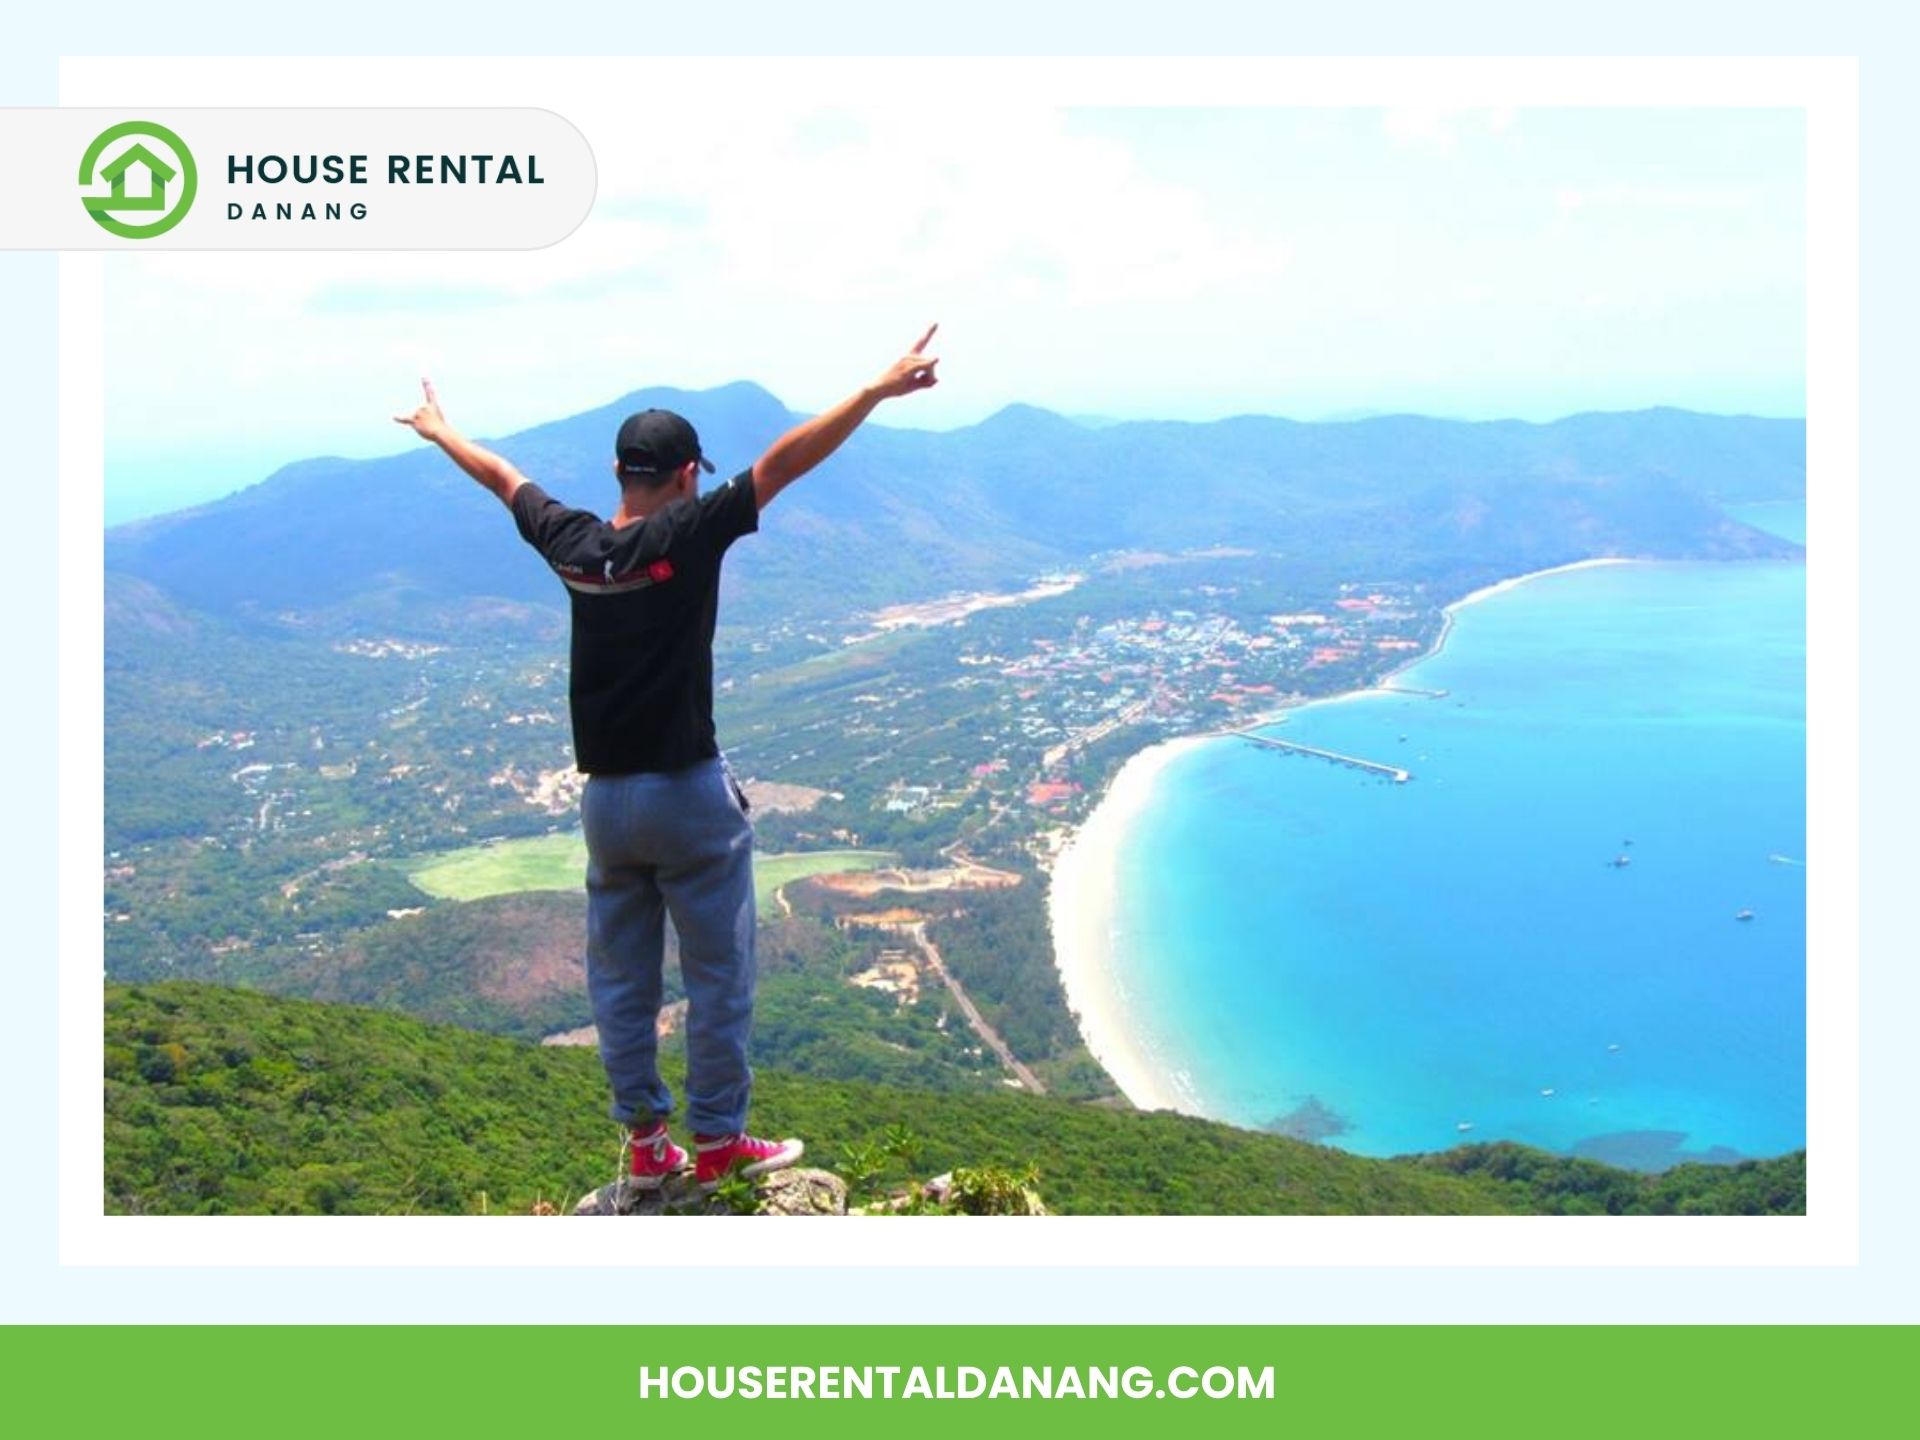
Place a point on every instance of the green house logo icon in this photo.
(150, 182)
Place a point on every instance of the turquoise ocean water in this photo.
(1303, 943)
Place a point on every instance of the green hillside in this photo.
(226, 1101)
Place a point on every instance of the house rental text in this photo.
(400, 169)
(333, 170)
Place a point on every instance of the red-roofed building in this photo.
(1050, 792)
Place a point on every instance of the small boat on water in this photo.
(1547, 1094)
(1620, 862)
(1613, 1049)
(1464, 1126)
(1744, 915)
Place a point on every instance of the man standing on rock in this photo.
(666, 825)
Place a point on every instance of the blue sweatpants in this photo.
(671, 843)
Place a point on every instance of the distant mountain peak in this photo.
(734, 392)
(1026, 418)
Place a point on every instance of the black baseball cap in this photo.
(657, 442)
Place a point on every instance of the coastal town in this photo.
(1008, 712)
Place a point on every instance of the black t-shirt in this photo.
(644, 599)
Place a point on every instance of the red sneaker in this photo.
(717, 1156)
(654, 1158)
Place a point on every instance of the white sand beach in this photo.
(1081, 901)
(1494, 589)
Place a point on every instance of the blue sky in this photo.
(1175, 263)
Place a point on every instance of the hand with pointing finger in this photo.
(812, 441)
(912, 371)
(427, 422)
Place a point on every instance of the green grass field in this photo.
(503, 867)
(559, 862)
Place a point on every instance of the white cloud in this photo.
(1006, 198)
(831, 206)
(1442, 128)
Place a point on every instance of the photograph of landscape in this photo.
(1309, 719)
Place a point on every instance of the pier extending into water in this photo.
(1400, 689)
(1399, 776)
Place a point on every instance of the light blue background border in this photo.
(1882, 1288)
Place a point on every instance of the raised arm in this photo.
(489, 469)
(807, 444)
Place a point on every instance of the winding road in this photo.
(917, 932)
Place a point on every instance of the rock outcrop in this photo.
(785, 1192)
(966, 1199)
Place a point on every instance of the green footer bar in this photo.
(351, 1382)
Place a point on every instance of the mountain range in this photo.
(410, 543)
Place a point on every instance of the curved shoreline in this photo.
(1080, 913)
(1448, 612)
(1080, 898)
